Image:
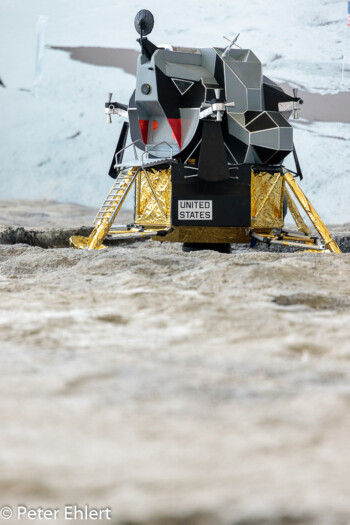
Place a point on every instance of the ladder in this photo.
(111, 206)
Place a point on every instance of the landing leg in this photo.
(108, 212)
(316, 220)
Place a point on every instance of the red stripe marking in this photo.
(144, 130)
(175, 124)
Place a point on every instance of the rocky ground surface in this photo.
(176, 388)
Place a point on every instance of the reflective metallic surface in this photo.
(207, 234)
(82, 243)
(267, 193)
(153, 197)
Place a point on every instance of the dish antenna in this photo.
(144, 22)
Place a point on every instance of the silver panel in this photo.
(270, 138)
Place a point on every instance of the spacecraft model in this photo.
(209, 133)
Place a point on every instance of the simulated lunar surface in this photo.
(175, 388)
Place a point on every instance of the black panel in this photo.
(211, 96)
(270, 156)
(260, 123)
(278, 157)
(249, 115)
(238, 148)
(212, 158)
(269, 168)
(265, 154)
(230, 199)
(268, 81)
(147, 47)
(171, 99)
(273, 96)
(120, 145)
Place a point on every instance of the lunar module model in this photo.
(209, 133)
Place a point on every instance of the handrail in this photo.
(126, 147)
(155, 146)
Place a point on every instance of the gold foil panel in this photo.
(267, 192)
(150, 205)
(206, 234)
